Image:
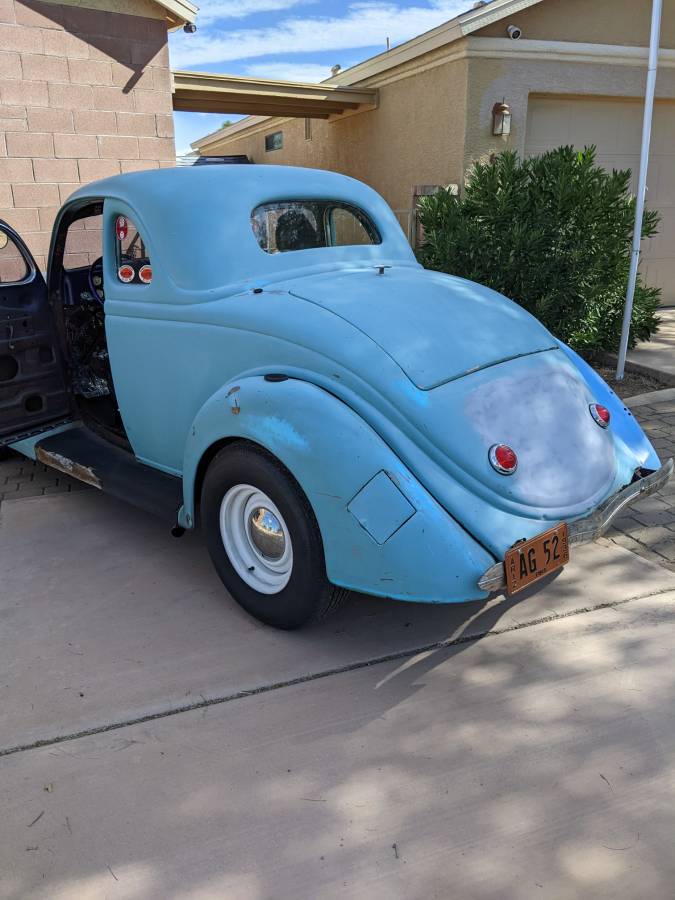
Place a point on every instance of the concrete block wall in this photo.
(84, 94)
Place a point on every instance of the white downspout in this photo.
(642, 184)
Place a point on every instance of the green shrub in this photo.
(553, 233)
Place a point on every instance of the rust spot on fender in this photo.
(68, 467)
(234, 402)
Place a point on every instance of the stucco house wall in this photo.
(622, 22)
(520, 79)
(85, 92)
(435, 112)
(419, 125)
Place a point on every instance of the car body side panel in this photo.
(166, 363)
(334, 455)
(165, 369)
(175, 343)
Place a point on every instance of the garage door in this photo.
(615, 127)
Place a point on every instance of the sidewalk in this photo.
(648, 527)
(659, 353)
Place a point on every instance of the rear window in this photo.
(305, 224)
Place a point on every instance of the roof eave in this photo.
(447, 33)
(179, 12)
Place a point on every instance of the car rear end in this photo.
(551, 453)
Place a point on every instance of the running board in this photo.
(87, 457)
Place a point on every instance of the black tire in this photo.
(308, 597)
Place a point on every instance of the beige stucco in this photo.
(418, 127)
(624, 22)
(435, 111)
(492, 79)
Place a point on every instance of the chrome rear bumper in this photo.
(582, 531)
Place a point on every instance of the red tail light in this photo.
(503, 459)
(600, 414)
(126, 273)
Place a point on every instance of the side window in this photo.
(84, 242)
(13, 267)
(133, 262)
(346, 229)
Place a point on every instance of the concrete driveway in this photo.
(155, 742)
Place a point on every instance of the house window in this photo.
(308, 129)
(274, 141)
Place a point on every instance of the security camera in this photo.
(514, 32)
(190, 28)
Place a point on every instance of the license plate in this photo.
(533, 559)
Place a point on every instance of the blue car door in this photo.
(33, 387)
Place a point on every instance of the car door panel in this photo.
(33, 390)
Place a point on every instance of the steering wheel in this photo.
(95, 280)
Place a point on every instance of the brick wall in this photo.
(84, 94)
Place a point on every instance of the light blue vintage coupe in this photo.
(254, 350)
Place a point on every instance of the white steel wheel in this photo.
(256, 539)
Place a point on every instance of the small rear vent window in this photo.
(133, 262)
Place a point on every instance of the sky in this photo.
(295, 40)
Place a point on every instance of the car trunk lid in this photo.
(436, 327)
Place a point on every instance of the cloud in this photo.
(310, 73)
(213, 10)
(365, 24)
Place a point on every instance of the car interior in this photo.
(290, 225)
(78, 291)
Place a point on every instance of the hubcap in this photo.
(256, 539)
(267, 533)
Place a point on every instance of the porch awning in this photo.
(203, 92)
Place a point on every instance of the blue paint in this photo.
(434, 326)
(429, 558)
(381, 508)
(27, 446)
(398, 383)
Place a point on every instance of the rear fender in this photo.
(382, 532)
(629, 437)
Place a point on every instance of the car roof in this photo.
(197, 220)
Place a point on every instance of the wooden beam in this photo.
(229, 107)
(202, 92)
(227, 102)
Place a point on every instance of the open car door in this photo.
(33, 391)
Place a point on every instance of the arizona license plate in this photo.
(528, 562)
